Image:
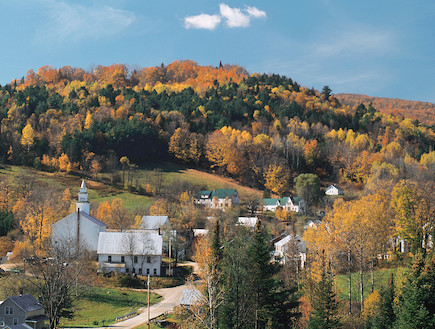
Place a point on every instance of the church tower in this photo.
(83, 203)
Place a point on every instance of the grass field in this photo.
(100, 192)
(100, 304)
(381, 280)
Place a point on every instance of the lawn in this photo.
(106, 304)
(381, 280)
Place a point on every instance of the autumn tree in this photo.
(38, 211)
(28, 137)
(277, 179)
(413, 214)
(114, 214)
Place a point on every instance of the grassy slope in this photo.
(381, 280)
(99, 192)
(106, 304)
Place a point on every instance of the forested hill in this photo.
(422, 111)
(260, 129)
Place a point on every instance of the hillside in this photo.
(100, 192)
(422, 111)
(259, 130)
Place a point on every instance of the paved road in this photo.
(171, 298)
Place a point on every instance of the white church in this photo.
(132, 251)
(79, 229)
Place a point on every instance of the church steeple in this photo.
(83, 201)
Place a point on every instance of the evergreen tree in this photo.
(263, 271)
(325, 304)
(416, 307)
(385, 317)
(237, 308)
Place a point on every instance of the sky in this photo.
(382, 48)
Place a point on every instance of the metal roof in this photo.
(26, 302)
(154, 222)
(137, 243)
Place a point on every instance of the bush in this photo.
(129, 281)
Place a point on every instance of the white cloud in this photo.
(255, 12)
(68, 22)
(203, 21)
(234, 17)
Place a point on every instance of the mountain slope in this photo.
(422, 111)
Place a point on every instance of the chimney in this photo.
(21, 291)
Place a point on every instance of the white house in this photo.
(333, 190)
(78, 229)
(295, 204)
(249, 222)
(154, 222)
(138, 252)
(290, 246)
(218, 199)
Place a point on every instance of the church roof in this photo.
(92, 218)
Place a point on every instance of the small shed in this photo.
(333, 190)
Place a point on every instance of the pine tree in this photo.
(385, 317)
(416, 307)
(325, 304)
(263, 271)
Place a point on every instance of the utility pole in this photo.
(170, 254)
(148, 324)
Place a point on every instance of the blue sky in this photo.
(379, 48)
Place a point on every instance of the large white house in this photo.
(79, 229)
(291, 247)
(333, 190)
(134, 252)
(295, 204)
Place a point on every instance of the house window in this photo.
(126, 270)
(135, 259)
(2, 322)
(15, 321)
(155, 271)
(133, 270)
(122, 259)
(148, 259)
(140, 270)
(9, 310)
(109, 258)
(148, 271)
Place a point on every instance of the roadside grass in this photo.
(100, 303)
(381, 276)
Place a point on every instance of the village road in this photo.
(170, 299)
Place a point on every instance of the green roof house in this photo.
(295, 204)
(218, 199)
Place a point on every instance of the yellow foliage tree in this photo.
(277, 179)
(28, 136)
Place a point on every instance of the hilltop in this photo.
(422, 111)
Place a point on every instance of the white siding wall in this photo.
(142, 263)
(65, 230)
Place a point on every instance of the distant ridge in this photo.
(423, 111)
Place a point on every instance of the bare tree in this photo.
(58, 279)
